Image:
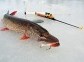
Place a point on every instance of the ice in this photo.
(71, 49)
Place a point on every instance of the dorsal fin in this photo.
(13, 13)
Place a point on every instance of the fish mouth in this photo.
(56, 44)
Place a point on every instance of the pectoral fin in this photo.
(24, 37)
(38, 21)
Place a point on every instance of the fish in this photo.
(28, 29)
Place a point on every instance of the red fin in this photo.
(4, 29)
(13, 13)
(24, 37)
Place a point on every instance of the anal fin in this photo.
(4, 29)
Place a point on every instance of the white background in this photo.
(71, 49)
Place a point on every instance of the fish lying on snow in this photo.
(28, 29)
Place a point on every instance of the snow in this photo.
(71, 49)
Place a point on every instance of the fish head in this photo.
(50, 40)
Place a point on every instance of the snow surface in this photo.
(12, 49)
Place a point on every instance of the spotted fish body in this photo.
(30, 28)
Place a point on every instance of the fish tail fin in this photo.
(8, 12)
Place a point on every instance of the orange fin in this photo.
(24, 37)
(13, 13)
(4, 29)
